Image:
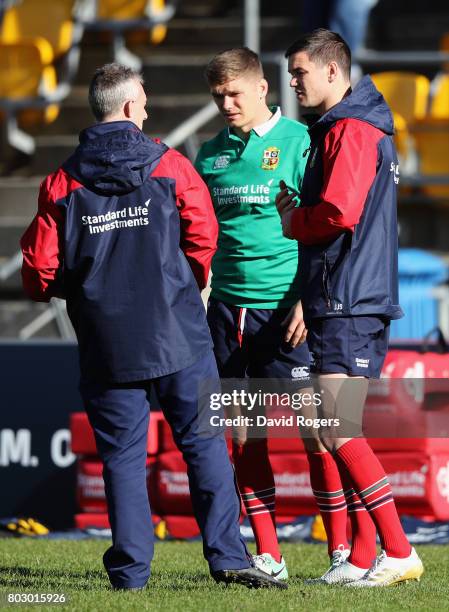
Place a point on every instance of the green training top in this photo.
(255, 266)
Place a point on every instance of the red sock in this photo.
(329, 496)
(374, 490)
(256, 483)
(363, 541)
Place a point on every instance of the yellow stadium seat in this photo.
(439, 107)
(158, 32)
(22, 66)
(431, 136)
(34, 34)
(50, 19)
(126, 10)
(406, 93)
(132, 16)
(121, 9)
(402, 136)
(28, 83)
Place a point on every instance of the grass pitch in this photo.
(180, 581)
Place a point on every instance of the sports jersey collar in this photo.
(262, 129)
(265, 127)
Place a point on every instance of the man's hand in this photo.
(296, 330)
(285, 203)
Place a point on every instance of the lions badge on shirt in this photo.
(270, 158)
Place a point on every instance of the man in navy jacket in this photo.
(347, 230)
(125, 232)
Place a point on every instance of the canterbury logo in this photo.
(300, 372)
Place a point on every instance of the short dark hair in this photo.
(110, 88)
(323, 46)
(232, 64)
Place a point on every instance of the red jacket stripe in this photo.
(349, 168)
(199, 227)
(42, 243)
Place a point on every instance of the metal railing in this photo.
(187, 130)
(55, 311)
(11, 266)
(411, 59)
(251, 24)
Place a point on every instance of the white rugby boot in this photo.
(387, 571)
(266, 563)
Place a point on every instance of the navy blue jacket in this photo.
(347, 222)
(108, 237)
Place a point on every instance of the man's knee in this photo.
(313, 444)
(332, 444)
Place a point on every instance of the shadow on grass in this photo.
(180, 581)
(51, 579)
(24, 577)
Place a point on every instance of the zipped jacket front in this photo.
(347, 222)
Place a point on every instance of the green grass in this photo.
(180, 581)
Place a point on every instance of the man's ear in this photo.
(263, 88)
(332, 71)
(127, 110)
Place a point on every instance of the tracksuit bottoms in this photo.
(119, 415)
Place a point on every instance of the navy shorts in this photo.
(249, 342)
(355, 346)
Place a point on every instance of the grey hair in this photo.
(111, 86)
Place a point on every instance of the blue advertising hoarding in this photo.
(39, 382)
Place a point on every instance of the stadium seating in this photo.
(125, 11)
(407, 95)
(27, 81)
(421, 116)
(402, 137)
(44, 53)
(63, 31)
(39, 58)
(31, 17)
(431, 138)
(26, 69)
(431, 134)
(439, 106)
(121, 16)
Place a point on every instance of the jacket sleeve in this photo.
(42, 249)
(349, 168)
(199, 228)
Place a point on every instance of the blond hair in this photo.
(232, 64)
